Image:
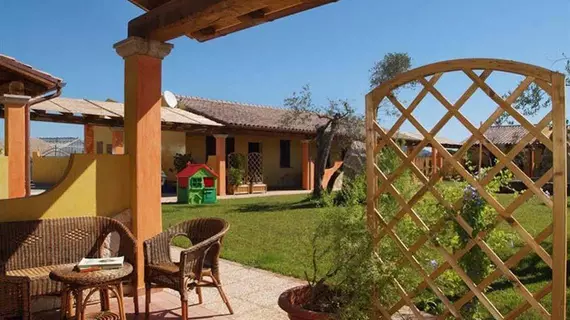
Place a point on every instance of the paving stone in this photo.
(263, 314)
(239, 306)
(264, 298)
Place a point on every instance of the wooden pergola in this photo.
(143, 52)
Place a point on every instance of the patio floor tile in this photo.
(252, 293)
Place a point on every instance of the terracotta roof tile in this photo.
(245, 115)
(509, 134)
(505, 134)
(48, 80)
(265, 117)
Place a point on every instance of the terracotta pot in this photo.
(291, 301)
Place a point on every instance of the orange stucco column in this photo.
(306, 164)
(531, 164)
(221, 162)
(15, 127)
(311, 174)
(117, 140)
(143, 74)
(88, 139)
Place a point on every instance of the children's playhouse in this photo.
(196, 184)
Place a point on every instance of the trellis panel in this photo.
(380, 183)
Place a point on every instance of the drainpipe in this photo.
(33, 101)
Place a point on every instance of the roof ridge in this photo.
(230, 102)
(505, 125)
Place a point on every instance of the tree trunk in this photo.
(324, 144)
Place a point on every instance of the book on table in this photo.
(94, 264)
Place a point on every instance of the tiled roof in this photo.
(411, 136)
(31, 73)
(245, 115)
(508, 134)
(265, 117)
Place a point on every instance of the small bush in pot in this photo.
(344, 270)
(235, 176)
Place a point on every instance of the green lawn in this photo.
(269, 233)
(272, 233)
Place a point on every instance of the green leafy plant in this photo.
(181, 161)
(236, 170)
(481, 217)
(236, 176)
(353, 192)
(346, 268)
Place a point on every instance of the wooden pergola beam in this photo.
(176, 18)
(270, 14)
(209, 19)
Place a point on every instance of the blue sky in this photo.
(331, 48)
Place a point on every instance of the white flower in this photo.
(433, 263)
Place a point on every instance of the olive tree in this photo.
(336, 120)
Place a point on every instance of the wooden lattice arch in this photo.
(379, 184)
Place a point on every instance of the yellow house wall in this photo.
(173, 142)
(3, 177)
(103, 134)
(48, 170)
(95, 185)
(275, 176)
(196, 145)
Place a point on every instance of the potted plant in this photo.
(236, 177)
(344, 271)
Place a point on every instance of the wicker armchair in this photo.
(30, 250)
(199, 261)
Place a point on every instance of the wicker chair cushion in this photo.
(166, 267)
(39, 277)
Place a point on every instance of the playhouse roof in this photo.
(191, 169)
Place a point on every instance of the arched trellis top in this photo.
(542, 76)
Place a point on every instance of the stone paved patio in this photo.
(252, 292)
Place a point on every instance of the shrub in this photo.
(353, 192)
(181, 161)
(235, 176)
(344, 264)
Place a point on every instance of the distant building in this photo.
(62, 146)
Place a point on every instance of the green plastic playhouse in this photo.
(196, 184)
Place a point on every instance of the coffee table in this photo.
(102, 281)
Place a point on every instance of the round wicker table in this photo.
(102, 281)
